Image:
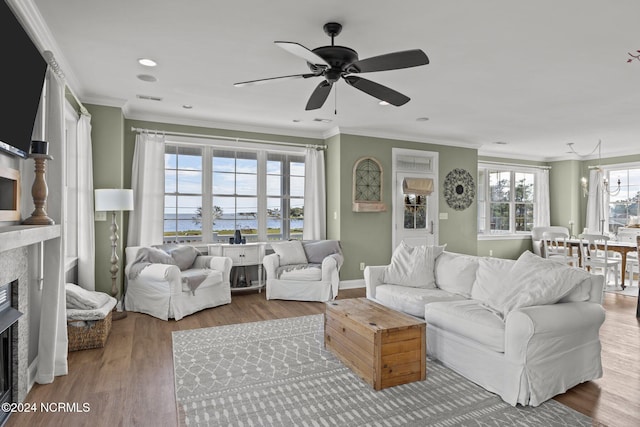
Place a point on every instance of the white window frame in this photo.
(262, 150)
(612, 180)
(485, 196)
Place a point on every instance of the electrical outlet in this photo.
(490, 252)
(362, 266)
(101, 216)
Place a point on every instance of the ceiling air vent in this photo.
(149, 97)
(322, 120)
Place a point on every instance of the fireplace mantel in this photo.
(16, 236)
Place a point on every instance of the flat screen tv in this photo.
(22, 75)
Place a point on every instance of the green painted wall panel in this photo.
(332, 162)
(107, 128)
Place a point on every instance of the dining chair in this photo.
(556, 247)
(595, 254)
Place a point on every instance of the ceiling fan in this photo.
(335, 62)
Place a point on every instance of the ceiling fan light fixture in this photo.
(383, 103)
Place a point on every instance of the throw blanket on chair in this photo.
(146, 257)
(191, 279)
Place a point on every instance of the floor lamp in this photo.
(114, 200)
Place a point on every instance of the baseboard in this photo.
(351, 284)
(33, 369)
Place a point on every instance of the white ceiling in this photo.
(536, 74)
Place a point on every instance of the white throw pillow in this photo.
(456, 273)
(490, 283)
(413, 266)
(537, 281)
(290, 252)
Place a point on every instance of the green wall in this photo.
(565, 195)
(107, 129)
(332, 176)
(366, 237)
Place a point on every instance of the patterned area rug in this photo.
(277, 373)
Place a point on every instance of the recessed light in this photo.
(296, 120)
(383, 103)
(322, 120)
(147, 62)
(422, 119)
(187, 106)
(500, 143)
(147, 78)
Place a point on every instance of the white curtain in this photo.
(86, 225)
(146, 221)
(315, 205)
(596, 204)
(542, 212)
(52, 340)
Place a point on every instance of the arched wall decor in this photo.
(367, 185)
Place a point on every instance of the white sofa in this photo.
(531, 355)
(161, 288)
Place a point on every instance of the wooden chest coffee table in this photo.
(384, 347)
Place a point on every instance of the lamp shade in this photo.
(114, 199)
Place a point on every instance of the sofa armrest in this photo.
(270, 263)
(373, 276)
(219, 263)
(548, 330)
(162, 274)
(331, 265)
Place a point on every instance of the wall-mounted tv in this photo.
(22, 75)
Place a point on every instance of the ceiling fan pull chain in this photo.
(335, 100)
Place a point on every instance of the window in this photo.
(625, 203)
(211, 191)
(506, 200)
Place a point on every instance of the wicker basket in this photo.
(85, 337)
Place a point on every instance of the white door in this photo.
(415, 216)
(415, 221)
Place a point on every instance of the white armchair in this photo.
(303, 270)
(173, 287)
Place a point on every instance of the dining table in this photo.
(623, 248)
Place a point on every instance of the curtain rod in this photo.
(228, 138)
(514, 164)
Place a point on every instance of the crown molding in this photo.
(212, 124)
(412, 138)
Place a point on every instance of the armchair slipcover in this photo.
(311, 274)
(165, 291)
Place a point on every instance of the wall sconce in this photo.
(585, 186)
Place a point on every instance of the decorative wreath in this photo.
(459, 189)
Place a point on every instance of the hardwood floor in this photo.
(130, 381)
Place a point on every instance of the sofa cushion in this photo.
(456, 273)
(469, 319)
(290, 252)
(412, 266)
(301, 272)
(317, 250)
(537, 281)
(411, 300)
(490, 283)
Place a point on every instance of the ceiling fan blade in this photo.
(302, 52)
(319, 95)
(390, 61)
(270, 79)
(376, 90)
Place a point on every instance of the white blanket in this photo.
(82, 299)
(95, 314)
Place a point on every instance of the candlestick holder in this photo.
(39, 192)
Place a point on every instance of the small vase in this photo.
(238, 237)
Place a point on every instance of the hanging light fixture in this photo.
(584, 182)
